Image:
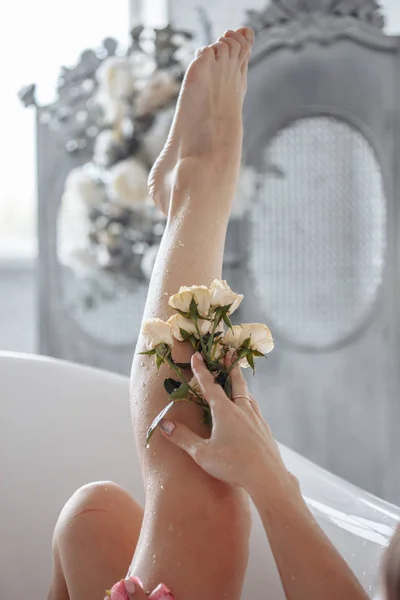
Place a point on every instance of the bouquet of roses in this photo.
(203, 319)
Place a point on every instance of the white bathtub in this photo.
(63, 425)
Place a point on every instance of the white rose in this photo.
(155, 332)
(202, 295)
(81, 186)
(245, 192)
(177, 322)
(233, 337)
(222, 295)
(127, 185)
(115, 77)
(260, 337)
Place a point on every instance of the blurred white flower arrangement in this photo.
(129, 102)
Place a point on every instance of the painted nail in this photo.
(167, 426)
(161, 593)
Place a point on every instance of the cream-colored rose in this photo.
(177, 322)
(222, 295)
(202, 295)
(155, 332)
(81, 186)
(260, 337)
(115, 77)
(233, 337)
(127, 185)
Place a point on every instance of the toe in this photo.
(243, 43)
(221, 50)
(231, 39)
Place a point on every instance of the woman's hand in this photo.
(241, 449)
(132, 589)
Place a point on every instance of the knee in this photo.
(96, 495)
(91, 499)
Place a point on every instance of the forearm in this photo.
(309, 565)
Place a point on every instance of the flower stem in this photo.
(204, 348)
(182, 378)
(233, 365)
(214, 327)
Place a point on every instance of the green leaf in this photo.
(195, 343)
(250, 360)
(185, 334)
(181, 392)
(148, 352)
(227, 321)
(228, 388)
(183, 365)
(260, 354)
(157, 421)
(159, 361)
(170, 385)
(162, 350)
(246, 343)
(182, 313)
(193, 312)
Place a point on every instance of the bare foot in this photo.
(208, 119)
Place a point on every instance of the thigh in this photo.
(94, 541)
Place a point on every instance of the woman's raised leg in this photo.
(195, 531)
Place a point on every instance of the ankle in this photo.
(202, 185)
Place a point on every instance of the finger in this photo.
(256, 407)
(211, 391)
(239, 385)
(134, 589)
(182, 436)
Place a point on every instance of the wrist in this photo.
(275, 488)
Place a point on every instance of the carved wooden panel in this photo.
(323, 244)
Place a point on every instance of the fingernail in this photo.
(161, 593)
(167, 426)
(199, 357)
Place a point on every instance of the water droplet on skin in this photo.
(162, 487)
(147, 446)
(171, 527)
